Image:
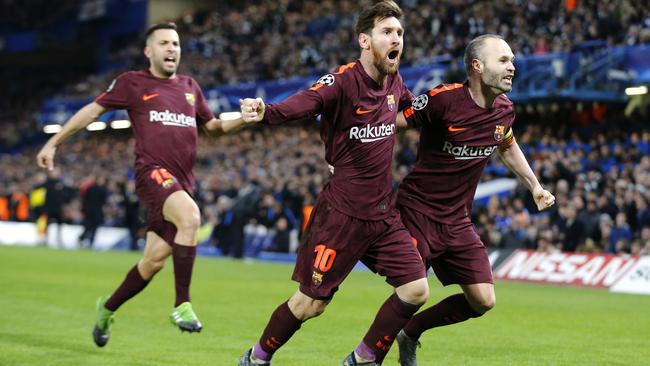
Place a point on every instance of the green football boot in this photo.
(185, 319)
(105, 319)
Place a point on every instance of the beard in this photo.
(164, 70)
(168, 72)
(495, 81)
(379, 61)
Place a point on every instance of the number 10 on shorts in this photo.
(324, 257)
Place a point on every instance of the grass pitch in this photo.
(47, 300)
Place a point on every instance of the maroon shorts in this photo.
(153, 186)
(334, 242)
(455, 252)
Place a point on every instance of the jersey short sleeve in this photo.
(118, 93)
(406, 100)
(429, 107)
(305, 104)
(508, 139)
(203, 111)
(328, 88)
(422, 111)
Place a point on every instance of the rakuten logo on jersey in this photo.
(172, 119)
(468, 152)
(372, 133)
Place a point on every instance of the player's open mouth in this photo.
(170, 61)
(393, 56)
(508, 79)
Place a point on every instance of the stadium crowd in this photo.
(253, 40)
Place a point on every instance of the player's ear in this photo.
(477, 65)
(147, 51)
(364, 41)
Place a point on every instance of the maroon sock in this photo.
(183, 257)
(454, 309)
(133, 283)
(282, 325)
(390, 318)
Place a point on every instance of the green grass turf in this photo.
(47, 302)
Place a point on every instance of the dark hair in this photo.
(473, 50)
(155, 27)
(381, 10)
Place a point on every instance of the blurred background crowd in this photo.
(256, 187)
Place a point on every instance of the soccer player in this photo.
(461, 125)
(353, 218)
(165, 109)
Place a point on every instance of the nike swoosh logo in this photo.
(361, 111)
(454, 129)
(146, 97)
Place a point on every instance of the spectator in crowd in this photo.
(57, 194)
(5, 210)
(93, 199)
(133, 216)
(621, 234)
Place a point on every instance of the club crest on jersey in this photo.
(420, 102)
(499, 132)
(317, 278)
(190, 98)
(391, 102)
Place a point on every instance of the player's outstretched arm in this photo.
(514, 159)
(252, 111)
(305, 104)
(86, 115)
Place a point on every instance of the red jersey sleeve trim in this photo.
(444, 88)
(344, 68)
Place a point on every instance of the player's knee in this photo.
(307, 309)
(189, 223)
(154, 264)
(416, 292)
(317, 308)
(149, 267)
(485, 303)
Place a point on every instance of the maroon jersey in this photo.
(358, 129)
(456, 141)
(164, 114)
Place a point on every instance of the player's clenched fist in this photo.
(252, 110)
(45, 157)
(543, 198)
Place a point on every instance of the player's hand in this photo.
(252, 110)
(543, 198)
(45, 157)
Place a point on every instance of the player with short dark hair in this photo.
(354, 217)
(165, 109)
(461, 125)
